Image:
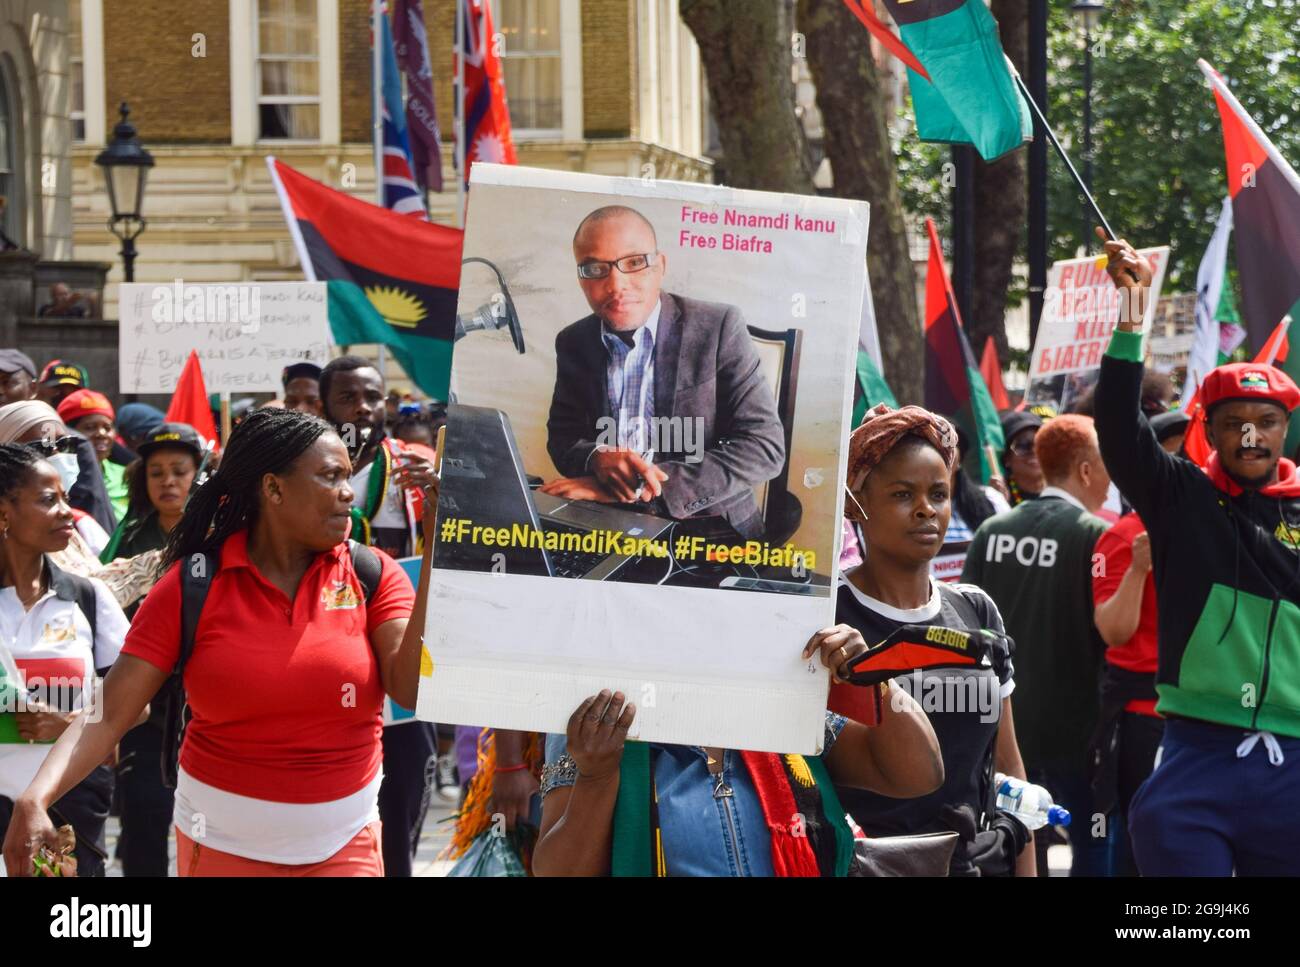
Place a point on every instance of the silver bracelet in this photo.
(562, 772)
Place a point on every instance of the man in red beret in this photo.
(1225, 555)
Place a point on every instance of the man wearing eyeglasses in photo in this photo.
(644, 355)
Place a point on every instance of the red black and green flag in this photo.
(953, 385)
(1265, 193)
(961, 85)
(392, 279)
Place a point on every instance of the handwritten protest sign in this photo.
(245, 333)
(1080, 310)
(694, 595)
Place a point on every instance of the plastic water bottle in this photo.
(1030, 804)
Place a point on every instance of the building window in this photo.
(76, 72)
(288, 70)
(531, 62)
(11, 183)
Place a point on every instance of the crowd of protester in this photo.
(1138, 612)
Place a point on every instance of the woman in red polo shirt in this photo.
(281, 763)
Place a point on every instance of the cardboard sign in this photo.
(245, 333)
(1080, 310)
(616, 330)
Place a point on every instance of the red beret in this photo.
(84, 402)
(1249, 381)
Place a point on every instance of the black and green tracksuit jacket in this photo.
(1226, 564)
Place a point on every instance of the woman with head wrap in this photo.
(722, 812)
(38, 425)
(899, 492)
(32, 421)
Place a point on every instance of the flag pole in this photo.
(459, 114)
(376, 99)
(225, 419)
(1051, 137)
(377, 128)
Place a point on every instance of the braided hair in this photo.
(17, 461)
(265, 441)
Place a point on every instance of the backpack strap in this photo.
(197, 572)
(196, 580)
(367, 566)
(87, 603)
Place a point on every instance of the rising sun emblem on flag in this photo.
(399, 308)
(800, 771)
(488, 148)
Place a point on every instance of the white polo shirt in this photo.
(51, 648)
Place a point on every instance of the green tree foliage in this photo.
(1157, 144)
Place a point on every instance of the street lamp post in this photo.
(126, 165)
(1088, 12)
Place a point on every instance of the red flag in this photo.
(1265, 192)
(953, 385)
(485, 115)
(865, 13)
(1195, 443)
(190, 402)
(991, 370)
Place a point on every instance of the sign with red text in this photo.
(1081, 308)
(641, 478)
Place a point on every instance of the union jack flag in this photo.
(401, 193)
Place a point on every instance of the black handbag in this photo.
(920, 854)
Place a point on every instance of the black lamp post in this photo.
(125, 164)
(1088, 13)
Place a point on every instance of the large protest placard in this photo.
(245, 333)
(619, 335)
(1080, 310)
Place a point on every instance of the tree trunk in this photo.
(862, 161)
(747, 61)
(1000, 206)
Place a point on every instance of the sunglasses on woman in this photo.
(49, 446)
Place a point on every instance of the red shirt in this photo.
(285, 696)
(1139, 653)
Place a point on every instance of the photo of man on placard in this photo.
(659, 399)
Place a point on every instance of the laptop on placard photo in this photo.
(483, 482)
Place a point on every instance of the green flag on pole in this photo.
(961, 84)
(870, 388)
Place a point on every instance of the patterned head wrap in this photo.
(882, 428)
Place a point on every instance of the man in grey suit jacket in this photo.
(684, 370)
